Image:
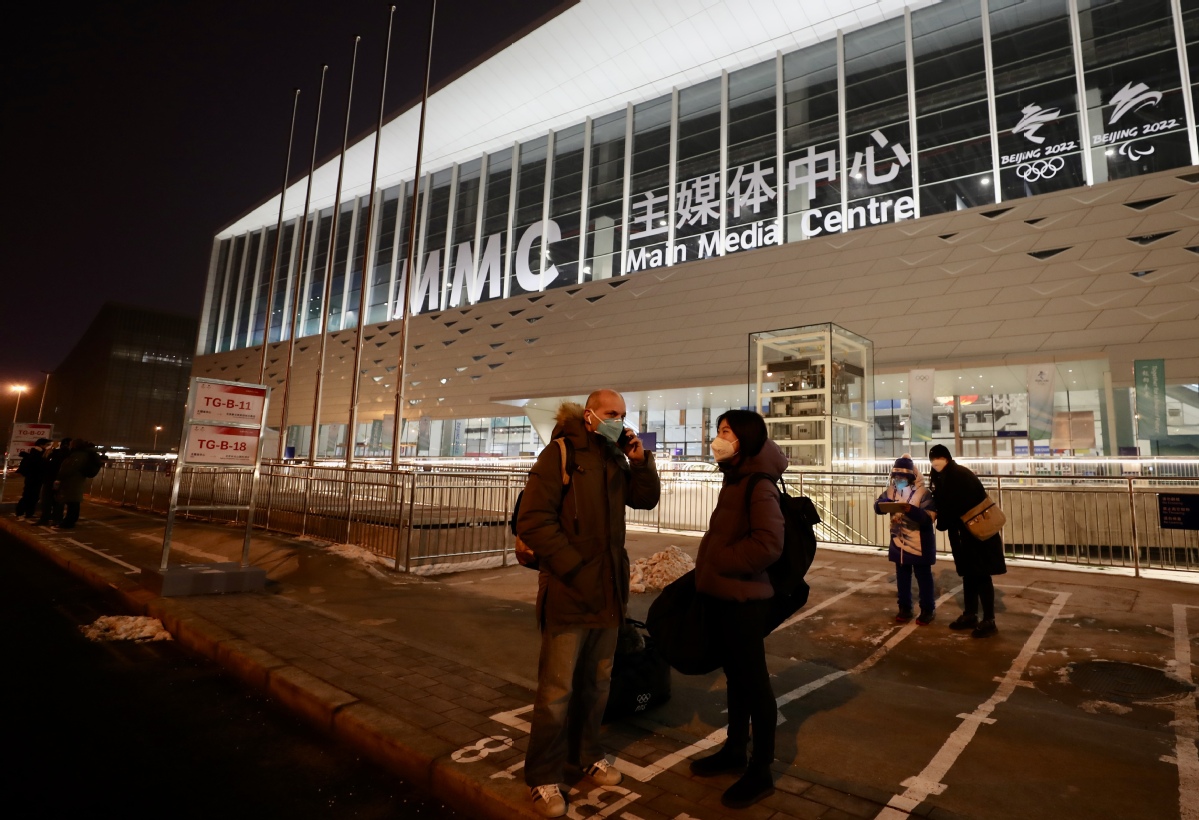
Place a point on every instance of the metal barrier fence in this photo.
(419, 516)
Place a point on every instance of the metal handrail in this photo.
(419, 515)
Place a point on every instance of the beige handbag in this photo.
(985, 519)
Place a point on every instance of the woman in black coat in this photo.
(744, 537)
(956, 491)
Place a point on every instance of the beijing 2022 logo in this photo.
(1131, 98)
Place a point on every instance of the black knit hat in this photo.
(940, 451)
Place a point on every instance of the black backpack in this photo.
(92, 464)
(799, 550)
(640, 674)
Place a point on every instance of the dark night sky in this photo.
(133, 131)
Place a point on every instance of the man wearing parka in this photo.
(577, 532)
(913, 540)
(51, 506)
(81, 463)
(33, 468)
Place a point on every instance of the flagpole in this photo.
(324, 320)
(355, 374)
(270, 290)
(295, 304)
(410, 272)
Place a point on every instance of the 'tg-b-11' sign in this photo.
(224, 423)
(221, 402)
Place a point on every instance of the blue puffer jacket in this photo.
(913, 538)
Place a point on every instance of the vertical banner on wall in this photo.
(920, 397)
(1151, 397)
(1040, 400)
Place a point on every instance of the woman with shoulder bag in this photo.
(744, 537)
(956, 490)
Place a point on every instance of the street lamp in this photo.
(157, 430)
(19, 389)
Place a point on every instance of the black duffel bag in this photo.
(677, 621)
(640, 675)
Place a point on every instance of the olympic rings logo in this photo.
(1040, 169)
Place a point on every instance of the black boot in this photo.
(731, 757)
(756, 783)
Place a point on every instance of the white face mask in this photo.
(939, 464)
(723, 450)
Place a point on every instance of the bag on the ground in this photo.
(678, 623)
(640, 674)
(524, 554)
(92, 464)
(984, 519)
(799, 550)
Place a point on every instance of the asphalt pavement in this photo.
(1082, 706)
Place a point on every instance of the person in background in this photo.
(577, 532)
(913, 540)
(51, 506)
(956, 491)
(81, 463)
(33, 468)
(744, 537)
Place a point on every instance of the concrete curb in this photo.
(398, 747)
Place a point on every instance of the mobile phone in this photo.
(626, 435)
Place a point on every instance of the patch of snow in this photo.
(1096, 707)
(125, 628)
(659, 569)
(443, 567)
(353, 552)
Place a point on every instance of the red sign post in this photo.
(222, 431)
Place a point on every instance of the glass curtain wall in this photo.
(1036, 98)
(353, 299)
(411, 214)
(215, 296)
(1190, 28)
(283, 266)
(460, 260)
(860, 119)
(877, 158)
(811, 139)
(382, 272)
(648, 219)
(319, 260)
(566, 203)
(605, 198)
(497, 244)
(530, 205)
(1135, 109)
(345, 228)
(699, 182)
(751, 204)
(953, 115)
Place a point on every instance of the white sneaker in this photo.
(603, 773)
(548, 800)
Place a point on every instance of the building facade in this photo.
(992, 192)
(124, 384)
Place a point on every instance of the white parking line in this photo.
(183, 547)
(1185, 723)
(805, 612)
(930, 781)
(132, 569)
(647, 773)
